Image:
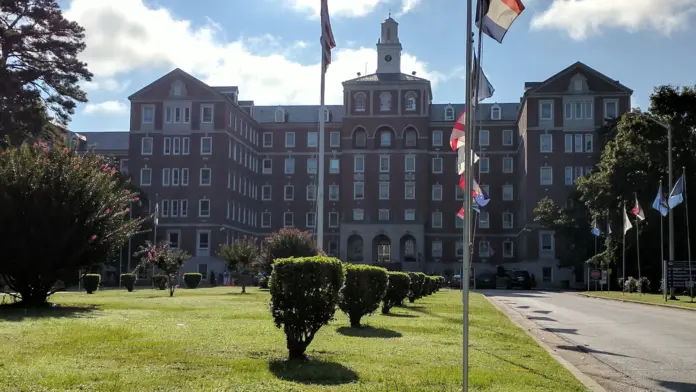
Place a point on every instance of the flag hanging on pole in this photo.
(626, 222)
(483, 88)
(660, 202)
(460, 214)
(156, 213)
(461, 164)
(676, 197)
(608, 227)
(595, 228)
(458, 136)
(327, 37)
(497, 16)
(479, 195)
(638, 210)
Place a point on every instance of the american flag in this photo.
(327, 38)
(458, 136)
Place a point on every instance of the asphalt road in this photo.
(624, 347)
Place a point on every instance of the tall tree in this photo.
(39, 68)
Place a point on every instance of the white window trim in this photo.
(568, 175)
(438, 135)
(212, 113)
(512, 165)
(265, 170)
(541, 143)
(143, 170)
(355, 166)
(285, 220)
(553, 245)
(408, 158)
(541, 175)
(355, 186)
(512, 249)
(308, 222)
(146, 107)
(589, 138)
(331, 144)
(263, 193)
(285, 192)
(608, 101)
(484, 223)
(285, 168)
(142, 145)
(360, 102)
(437, 159)
(512, 220)
(166, 176)
(200, 214)
(449, 113)
(512, 137)
(568, 108)
(203, 139)
(406, 186)
(332, 214)
(496, 109)
(270, 142)
(541, 111)
(433, 220)
(487, 165)
(508, 186)
(387, 159)
(200, 250)
(294, 141)
(568, 143)
(279, 116)
(177, 232)
(210, 176)
(316, 139)
(488, 137)
(409, 211)
(433, 192)
(334, 186)
(379, 191)
(268, 214)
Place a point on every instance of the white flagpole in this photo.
(688, 236)
(635, 195)
(623, 266)
(320, 186)
(662, 246)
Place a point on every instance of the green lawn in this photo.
(647, 298)
(218, 340)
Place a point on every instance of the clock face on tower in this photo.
(388, 58)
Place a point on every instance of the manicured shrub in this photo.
(166, 259)
(643, 285)
(416, 289)
(160, 282)
(192, 279)
(91, 282)
(239, 256)
(363, 291)
(427, 286)
(46, 190)
(630, 285)
(128, 281)
(397, 290)
(304, 294)
(289, 242)
(263, 282)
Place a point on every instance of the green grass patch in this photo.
(683, 301)
(215, 339)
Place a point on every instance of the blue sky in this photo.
(270, 47)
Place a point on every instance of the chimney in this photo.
(358, 73)
(413, 73)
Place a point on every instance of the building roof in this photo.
(107, 141)
(386, 77)
(508, 111)
(297, 113)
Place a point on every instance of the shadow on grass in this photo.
(422, 309)
(369, 332)
(520, 365)
(399, 315)
(312, 372)
(15, 312)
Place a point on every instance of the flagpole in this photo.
(467, 202)
(662, 246)
(154, 241)
(688, 236)
(623, 266)
(670, 179)
(635, 195)
(320, 185)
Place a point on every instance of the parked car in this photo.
(520, 279)
(485, 280)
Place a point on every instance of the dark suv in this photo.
(520, 279)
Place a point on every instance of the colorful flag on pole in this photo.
(479, 195)
(595, 228)
(496, 16)
(327, 37)
(475, 206)
(156, 214)
(458, 136)
(638, 210)
(461, 167)
(460, 214)
(483, 88)
(660, 202)
(626, 222)
(676, 197)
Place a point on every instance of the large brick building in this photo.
(222, 167)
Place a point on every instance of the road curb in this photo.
(640, 302)
(520, 322)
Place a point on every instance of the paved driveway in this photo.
(623, 346)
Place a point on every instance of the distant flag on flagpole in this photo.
(475, 206)
(479, 195)
(637, 210)
(626, 222)
(660, 202)
(595, 228)
(458, 136)
(327, 37)
(484, 88)
(497, 16)
(156, 214)
(460, 214)
(676, 197)
(608, 227)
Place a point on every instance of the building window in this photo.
(484, 249)
(410, 163)
(358, 214)
(507, 165)
(311, 165)
(611, 109)
(409, 214)
(484, 165)
(288, 219)
(335, 139)
(185, 145)
(508, 192)
(359, 164)
(266, 192)
(384, 163)
(204, 208)
(458, 222)
(203, 245)
(546, 110)
(311, 192)
(546, 142)
(146, 146)
(360, 138)
(279, 115)
(508, 249)
(483, 220)
(173, 237)
(436, 249)
(495, 113)
(358, 190)
(410, 101)
(546, 241)
(568, 175)
(333, 192)
(334, 166)
(265, 219)
(449, 113)
(333, 219)
(166, 175)
(267, 166)
(385, 138)
(206, 145)
(384, 191)
(546, 175)
(508, 220)
(436, 193)
(589, 142)
(268, 139)
(385, 101)
(360, 102)
(167, 149)
(587, 110)
(310, 219)
(290, 139)
(484, 138)
(409, 191)
(436, 219)
(206, 176)
(410, 138)
(383, 214)
(437, 165)
(437, 139)
(568, 111)
(568, 143)
(289, 165)
(207, 114)
(312, 139)
(146, 176)
(578, 172)
(507, 137)
(578, 143)
(289, 192)
(148, 114)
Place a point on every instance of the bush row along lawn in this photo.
(215, 339)
(684, 301)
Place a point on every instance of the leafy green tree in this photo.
(166, 259)
(39, 68)
(61, 213)
(287, 242)
(239, 256)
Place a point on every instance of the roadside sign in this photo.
(595, 274)
(604, 278)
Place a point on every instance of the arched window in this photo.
(279, 115)
(360, 138)
(495, 112)
(411, 101)
(449, 113)
(410, 138)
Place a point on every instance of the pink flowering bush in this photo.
(61, 213)
(169, 261)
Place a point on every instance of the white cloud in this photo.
(105, 84)
(107, 107)
(584, 18)
(408, 6)
(132, 36)
(349, 8)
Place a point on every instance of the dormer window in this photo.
(279, 115)
(411, 101)
(177, 88)
(385, 99)
(360, 99)
(495, 112)
(577, 84)
(449, 113)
